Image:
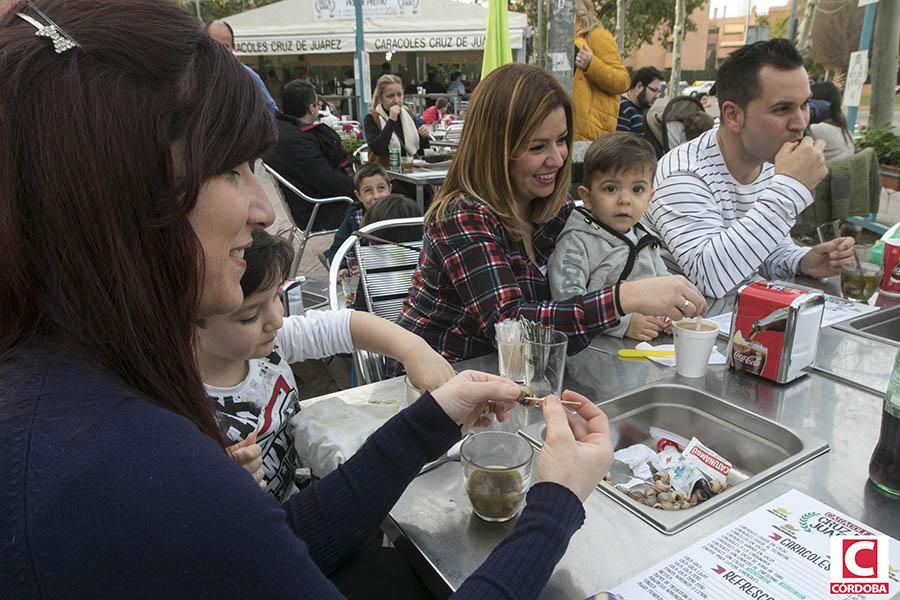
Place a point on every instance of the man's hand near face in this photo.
(803, 160)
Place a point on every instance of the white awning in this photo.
(320, 27)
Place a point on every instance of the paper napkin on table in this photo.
(715, 358)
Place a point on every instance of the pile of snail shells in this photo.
(660, 494)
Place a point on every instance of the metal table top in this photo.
(420, 175)
(435, 517)
(613, 545)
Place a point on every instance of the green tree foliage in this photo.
(218, 9)
(646, 21)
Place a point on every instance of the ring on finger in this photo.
(685, 304)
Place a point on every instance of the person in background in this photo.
(371, 184)
(435, 114)
(493, 226)
(833, 128)
(311, 156)
(703, 97)
(245, 358)
(457, 86)
(726, 201)
(116, 479)
(599, 76)
(603, 243)
(222, 32)
(433, 86)
(638, 99)
(275, 86)
(389, 120)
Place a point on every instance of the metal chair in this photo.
(309, 231)
(386, 271)
(363, 153)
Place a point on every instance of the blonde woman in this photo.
(494, 223)
(599, 76)
(389, 118)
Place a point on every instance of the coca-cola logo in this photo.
(751, 360)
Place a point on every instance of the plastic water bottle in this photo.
(884, 468)
(394, 154)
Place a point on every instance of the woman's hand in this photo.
(577, 450)
(671, 296)
(427, 370)
(248, 454)
(394, 112)
(465, 398)
(423, 131)
(583, 58)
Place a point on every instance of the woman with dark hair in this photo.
(311, 156)
(833, 129)
(123, 221)
(492, 228)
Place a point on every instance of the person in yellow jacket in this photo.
(599, 79)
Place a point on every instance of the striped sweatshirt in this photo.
(720, 233)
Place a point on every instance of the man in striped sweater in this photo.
(726, 201)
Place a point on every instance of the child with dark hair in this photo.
(603, 243)
(245, 358)
(370, 184)
(395, 206)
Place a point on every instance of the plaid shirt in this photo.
(471, 275)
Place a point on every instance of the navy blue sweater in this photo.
(106, 495)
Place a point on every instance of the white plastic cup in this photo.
(692, 347)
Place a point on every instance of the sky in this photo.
(735, 8)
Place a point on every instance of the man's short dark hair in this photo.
(738, 78)
(617, 152)
(370, 169)
(455, 75)
(298, 95)
(227, 26)
(645, 76)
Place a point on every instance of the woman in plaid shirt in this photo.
(494, 224)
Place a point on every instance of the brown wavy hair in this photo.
(97, 256)
(506, 110)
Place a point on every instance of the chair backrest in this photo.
(454, 132)
(386, 271)
(302, 232)
(363, 153)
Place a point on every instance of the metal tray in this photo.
(882, 326)
(758, 448)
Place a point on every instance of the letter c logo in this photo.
(850, 561)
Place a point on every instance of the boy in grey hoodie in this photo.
(603, 243)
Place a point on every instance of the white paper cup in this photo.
(692, 347)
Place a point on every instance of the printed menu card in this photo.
(793, 548)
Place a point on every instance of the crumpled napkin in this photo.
(715, 358)
(329, 432)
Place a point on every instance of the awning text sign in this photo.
(329, 10)
(375, 42)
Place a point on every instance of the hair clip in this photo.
(62, 41)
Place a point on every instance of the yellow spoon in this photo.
(635, 353)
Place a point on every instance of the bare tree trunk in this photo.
(884, 62)
(561, 42)
(677, 39)
(806, 25)
(620, 27)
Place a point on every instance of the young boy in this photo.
(371, 183)
(603, 243)
(245, 358)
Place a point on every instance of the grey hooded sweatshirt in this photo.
(590, 255)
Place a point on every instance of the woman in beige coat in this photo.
(599, 76)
